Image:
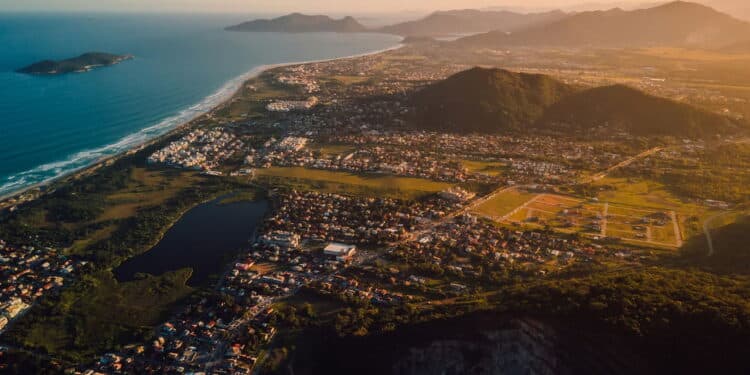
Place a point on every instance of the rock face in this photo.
(84, 63)
(300, 23)
(524, 347)
(475, 344)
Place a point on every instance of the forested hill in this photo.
(622, 108)
(487, 100)
(496, 100)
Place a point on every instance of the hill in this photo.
(300, 23)
(621, 108)
(731, 249)
(82, 63)
(470, 21)
(486, 100)
(678, 24)
(495, 100)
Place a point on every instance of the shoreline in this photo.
(235, 85)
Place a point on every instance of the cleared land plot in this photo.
(349, 183)
(644, 194)
(503, 203)
(568, 214)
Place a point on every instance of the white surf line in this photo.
(88, 158)
(605, 213)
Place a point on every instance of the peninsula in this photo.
(83, 63)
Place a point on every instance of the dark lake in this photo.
(205, 239)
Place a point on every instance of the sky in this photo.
(282, 6)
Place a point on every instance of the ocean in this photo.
(184, 65)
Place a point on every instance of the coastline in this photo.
(232, 89)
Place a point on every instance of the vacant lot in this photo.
(593, 218)
(503, 203)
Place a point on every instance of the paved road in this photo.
(621, 164)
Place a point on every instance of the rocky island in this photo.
(301, 23)
(83, 63)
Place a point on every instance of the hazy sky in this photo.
(280, 6)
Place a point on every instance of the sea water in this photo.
(183, 66)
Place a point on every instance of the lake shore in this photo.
(21, 195)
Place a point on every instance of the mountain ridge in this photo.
(496, 100)
(301, 23)
(467, 21)
(678, 23)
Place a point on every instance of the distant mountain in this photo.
(470, 21)
(83, 63)
(737, 8)
(679, 24)
(496, 100)
(300, 23)
(486, 100)
(622, 108)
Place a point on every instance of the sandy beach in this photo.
(232, 88)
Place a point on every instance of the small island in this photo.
(300, 23)
(84, 63)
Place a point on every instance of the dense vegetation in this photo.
(621, 108)
(72, 65)
(669, 320)
(97, 314)
(495, 100)
(716, 172)
(487, 100)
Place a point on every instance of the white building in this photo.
(342, 252)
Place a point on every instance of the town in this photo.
(367, 211)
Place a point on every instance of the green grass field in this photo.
(491, 168)
(650, 195)
(349, 183)
(504, 203)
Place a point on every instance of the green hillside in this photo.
(486, 100)
(621, 108)
(495, 100)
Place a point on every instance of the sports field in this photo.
(649, 226)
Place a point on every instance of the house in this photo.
(341, 252)
(284, 240)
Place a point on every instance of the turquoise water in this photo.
(184, 65)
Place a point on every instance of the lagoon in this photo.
(205, 239)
